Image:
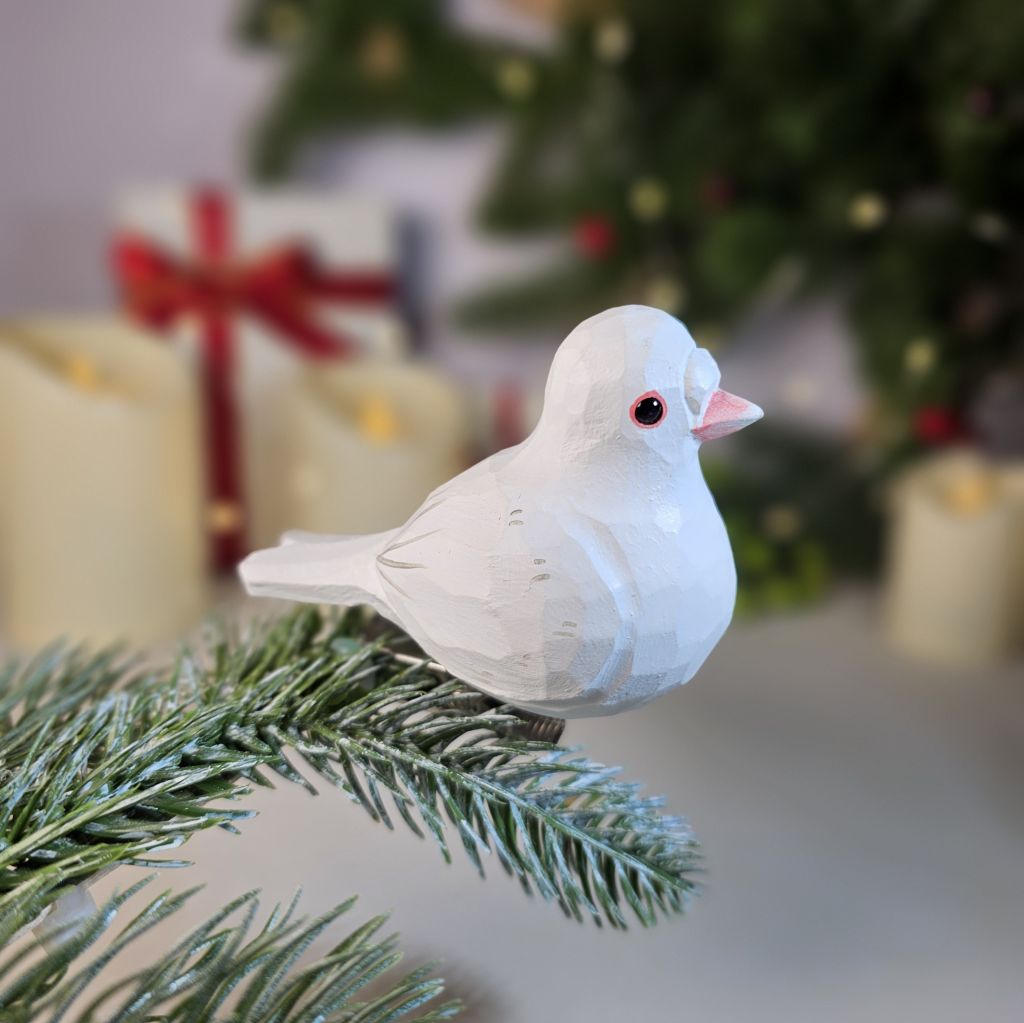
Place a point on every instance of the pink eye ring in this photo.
(648, 410)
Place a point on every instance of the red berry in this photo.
(935, 424)
(594, 236)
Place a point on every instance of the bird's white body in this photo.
(583, 572)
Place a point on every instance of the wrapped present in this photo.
(100, 484)
(254, 285)
(955, 586)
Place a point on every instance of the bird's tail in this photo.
(319, 569)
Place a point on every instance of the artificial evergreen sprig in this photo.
(100, 766)
(225, 964)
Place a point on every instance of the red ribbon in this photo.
(279, 288)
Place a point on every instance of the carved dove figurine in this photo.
(584, 571)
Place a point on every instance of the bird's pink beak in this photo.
(726, 413)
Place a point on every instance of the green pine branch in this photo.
(225, 960)
(104, 765)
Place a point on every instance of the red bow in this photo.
(279, 288)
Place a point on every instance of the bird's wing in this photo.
(512, 589)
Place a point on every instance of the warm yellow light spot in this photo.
(224, 517)
(666, 293)
(613, 39)
(516, 78)
(920, 356)
(82, 372)
(648, 199)
(971, 494)
(383, 54)
(867, 211)
(377, 420)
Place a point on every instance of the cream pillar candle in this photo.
(100, 506)
(954, 558)
(367, 441)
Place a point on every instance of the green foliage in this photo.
(873, 149)
(102, 766)
(358, 65)
(772, 129)
(877, 144)
(222, 963)
(798, 514)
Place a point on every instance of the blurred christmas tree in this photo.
(691, 151)
(694, 154)
(360, 64)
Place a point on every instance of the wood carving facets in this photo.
(584, 571)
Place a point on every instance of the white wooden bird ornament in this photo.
(582, 572)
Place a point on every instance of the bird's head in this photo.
(633, 378)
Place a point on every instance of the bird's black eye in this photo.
(648, 410)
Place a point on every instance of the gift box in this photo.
(955, 582)
(100, 484)
(252, 287)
